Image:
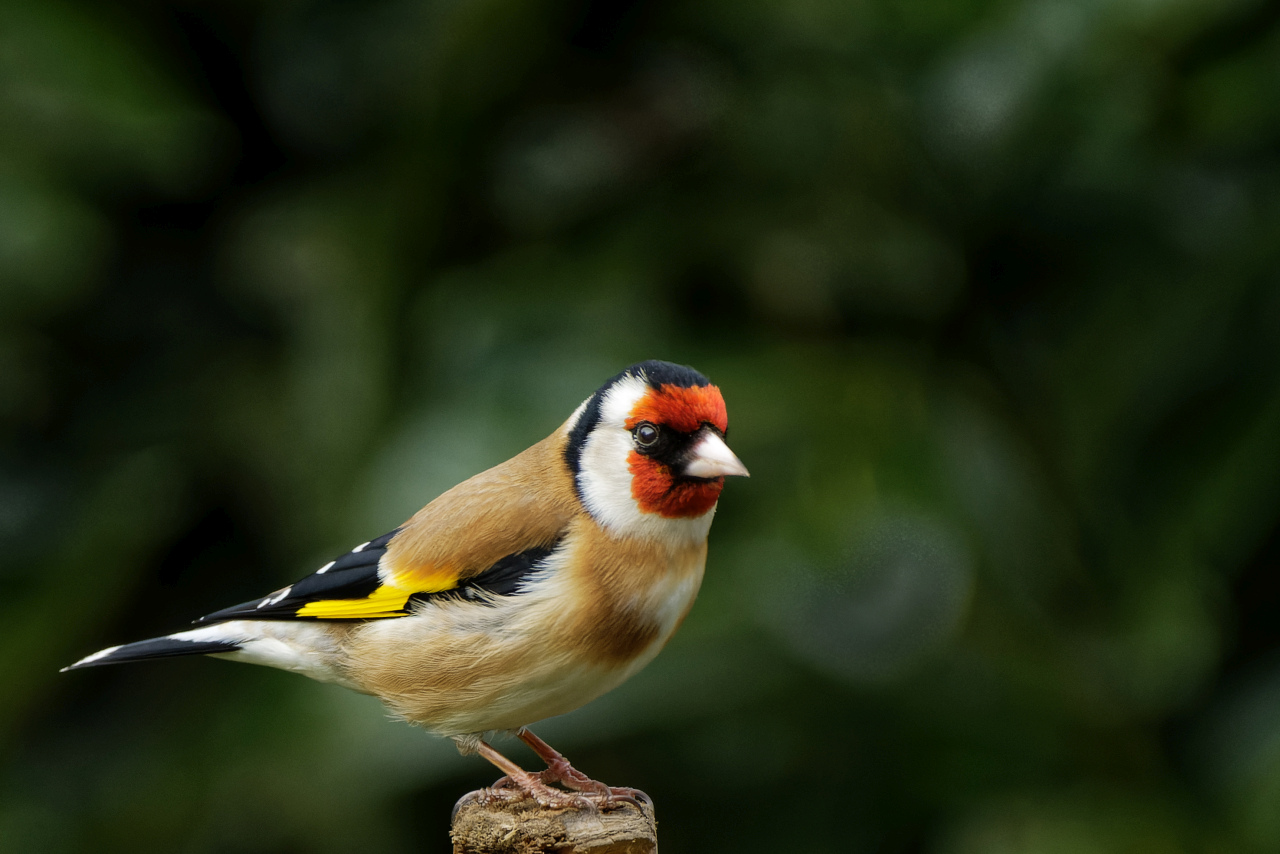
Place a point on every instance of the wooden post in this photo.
(523, 827)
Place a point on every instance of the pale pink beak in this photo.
(711, 457)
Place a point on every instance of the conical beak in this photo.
(711, 457)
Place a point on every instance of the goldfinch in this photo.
(520, 594)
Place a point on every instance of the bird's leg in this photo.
(529, 785)
(560, 771)
(558, 768)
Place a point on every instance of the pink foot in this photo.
(560, 771)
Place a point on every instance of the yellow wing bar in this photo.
(386, 601)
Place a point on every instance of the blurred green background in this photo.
(990, 287)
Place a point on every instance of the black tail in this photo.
(165, 647)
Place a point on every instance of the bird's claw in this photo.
(628, 795)
(560, 771)
(582, 793)
(585, 794)
(507, 789)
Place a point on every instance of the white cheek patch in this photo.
(619, 401)
(604, 475)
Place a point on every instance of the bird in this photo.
(520, 594)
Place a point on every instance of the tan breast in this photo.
(461, 667)
(631, 593)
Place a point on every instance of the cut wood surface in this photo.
(523, 827)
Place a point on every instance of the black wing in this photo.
(349, 588)
(504, 578)
(354, 575)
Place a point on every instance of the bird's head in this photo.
(648, 452)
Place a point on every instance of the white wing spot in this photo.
(328, 566)
(271, 600)
(361, 547)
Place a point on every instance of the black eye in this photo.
(646, 434)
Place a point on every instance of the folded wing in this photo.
(479, 539)
(348, 587)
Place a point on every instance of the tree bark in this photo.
(523, 827)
